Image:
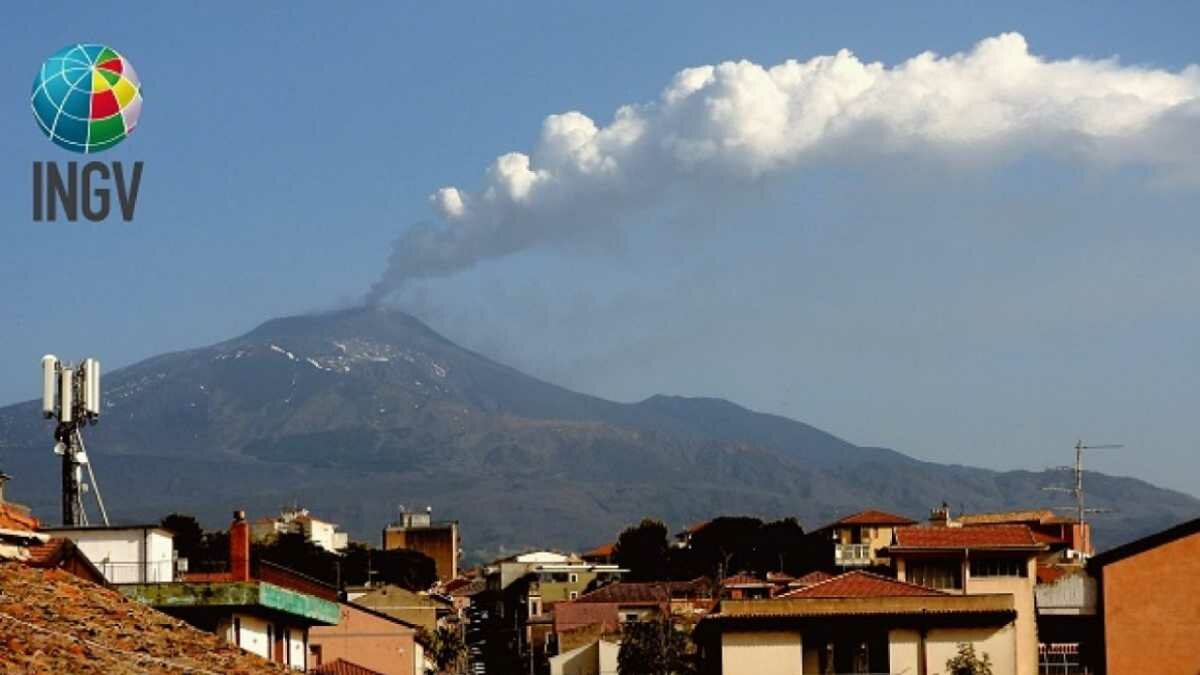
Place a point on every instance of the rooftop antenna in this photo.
(1077, 489)
(72, 396)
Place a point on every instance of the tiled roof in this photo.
(742, 580)
(602, 551)
(812, 578)
(652, 591)
(342, 667)
(873, 517)
(13, 517)
(992, 536)
(1047, 574)
(998, 517)
(53, 622)
(47, 554)
(858, 584)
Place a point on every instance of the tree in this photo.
(967, 663)
(204, 551)
(447, 648)
(642, 550)
(655, 647)
(189, 536)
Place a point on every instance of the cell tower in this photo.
(72, 396)
(1076, 490)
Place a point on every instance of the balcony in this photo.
(852, 555)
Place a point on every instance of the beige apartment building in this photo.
(858, 622)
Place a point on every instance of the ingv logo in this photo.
(86, 98)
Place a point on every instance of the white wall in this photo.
(762, 653)
(296, 647)
(127, 555)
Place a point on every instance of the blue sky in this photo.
(985, 315)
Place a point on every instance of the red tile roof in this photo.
(13, 517)
(342, 667)
(812, 578)
(47, 554)
(743, 580)
(602, 551)
(644, 592)
(53, 622)
(873, 517)
(1010, 517)
(1048, 575)
(991, 536)
(860, 584)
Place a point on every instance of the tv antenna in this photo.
(72, 396)
(1076, 490)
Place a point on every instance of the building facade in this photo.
(438, 540)
(370, 639)
(125, 554)
(1149, 601)
(857, 622)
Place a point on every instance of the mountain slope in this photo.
(354, 412)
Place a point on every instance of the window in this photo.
(535, 607)
(998, 567)
(629, 617)
(935, 573)
(574, 578)
(314, 655)
(574, 594)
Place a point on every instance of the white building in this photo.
(320, 532)
(125, 554)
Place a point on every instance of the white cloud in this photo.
(737, 121)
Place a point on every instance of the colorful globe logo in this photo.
(87, 98)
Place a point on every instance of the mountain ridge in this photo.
(355, 411)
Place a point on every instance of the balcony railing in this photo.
(852, 554)
(137, 572)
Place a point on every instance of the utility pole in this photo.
(72, 396)
(1076, 490)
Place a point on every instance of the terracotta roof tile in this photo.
(813, 578)
(53, 622)
(47, 554)
(743, 580)
(1012, 517)
(873, 517)
(859, 584)
(13, 517)
(992, 536)
(343, 667)
(653, 591)
(602, 551)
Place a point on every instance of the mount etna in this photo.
(352, 413)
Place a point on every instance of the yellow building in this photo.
(859, 539)
(977, 561)
(857, 622)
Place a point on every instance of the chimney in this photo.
(239, 547)
(4, 478)
(939, 516)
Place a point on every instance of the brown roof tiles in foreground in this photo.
(53, 622)
(859, 584)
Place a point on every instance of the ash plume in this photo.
(724, 126)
